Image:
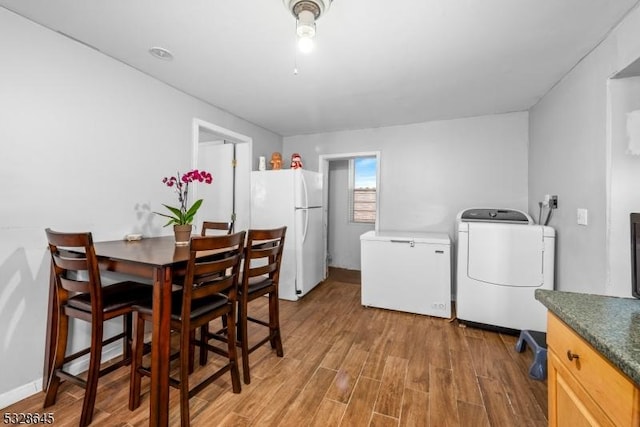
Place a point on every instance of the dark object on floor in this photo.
(538, 343)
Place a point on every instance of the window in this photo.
(362, 189)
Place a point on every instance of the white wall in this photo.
(624, 195)
(84, 144)
(568, 157)
(344, 235)
(430, 171)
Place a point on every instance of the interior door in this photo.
(216, 157)
(243, 186)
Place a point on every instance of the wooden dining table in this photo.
(155, 258)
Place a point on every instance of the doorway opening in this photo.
(344, 216)
(227, 156)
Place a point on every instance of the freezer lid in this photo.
(408, 236)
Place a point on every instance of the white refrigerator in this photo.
(292, 197)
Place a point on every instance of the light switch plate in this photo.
(582, 215)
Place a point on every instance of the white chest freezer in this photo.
(407, 271)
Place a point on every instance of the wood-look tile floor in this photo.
(347, 365)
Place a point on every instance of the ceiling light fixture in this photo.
(306, 13)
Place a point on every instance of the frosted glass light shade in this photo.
(305, 44)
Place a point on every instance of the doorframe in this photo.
(226, 135)
(323, 168)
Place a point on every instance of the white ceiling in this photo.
(376, 62)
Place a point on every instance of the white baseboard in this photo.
(77, 366)
(19, 393)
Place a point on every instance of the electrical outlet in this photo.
(553, 202)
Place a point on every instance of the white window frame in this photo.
(352, 189)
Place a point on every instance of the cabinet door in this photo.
(609, 390)
(569, 404)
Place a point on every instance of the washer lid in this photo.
(495, 215)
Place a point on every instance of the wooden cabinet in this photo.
(585, 389)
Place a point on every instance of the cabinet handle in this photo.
(572, 356)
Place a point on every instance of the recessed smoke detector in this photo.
(161, 53)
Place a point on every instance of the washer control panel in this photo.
(495, 215)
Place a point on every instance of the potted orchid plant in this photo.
(182, 217)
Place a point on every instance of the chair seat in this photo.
(198, 307)
(259, 283)
(114, 297)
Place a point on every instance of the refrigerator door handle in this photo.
(304, 190)
(306, 225)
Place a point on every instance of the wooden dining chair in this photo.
(79, 294)
(218, 226)
(260, 276)
(221, 227)
(209, 227)
(209, 291)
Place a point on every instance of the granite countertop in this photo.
(610, 324)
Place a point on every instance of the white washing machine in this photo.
(502, 258)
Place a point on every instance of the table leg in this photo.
(52, 333)
(160, 348)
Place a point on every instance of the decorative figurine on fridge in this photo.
(276, 161)
(296, 161)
